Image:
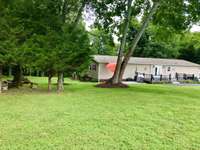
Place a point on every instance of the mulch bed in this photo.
(109, 85)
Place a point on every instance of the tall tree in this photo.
(102, 43)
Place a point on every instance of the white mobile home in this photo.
(155, 66)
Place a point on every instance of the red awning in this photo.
(111, 67)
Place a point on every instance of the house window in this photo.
(93, 67)
(169, 69)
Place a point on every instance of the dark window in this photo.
(156, 71)
(169, 69)
(93, 67)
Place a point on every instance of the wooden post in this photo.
(170, 77)
(184, 76)
(136, 76)
(161, 77)
(151, 77)
(177, 76)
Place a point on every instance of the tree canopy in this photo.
(46, 35)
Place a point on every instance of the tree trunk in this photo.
(1, 72)
(136, 40)
(30, 72)
(37, 73)
(42, 74)
(115, 78)
(60, 86)
(10, 71)
(18, 76)
(49, 82)
(0, 86)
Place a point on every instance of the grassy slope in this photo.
(84, 117)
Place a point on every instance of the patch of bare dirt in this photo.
(110, 85)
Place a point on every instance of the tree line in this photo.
(47, 36)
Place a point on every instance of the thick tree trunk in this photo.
(30, 72)
(18, 76)
(42, 74)
(136, 40)
(60, 86)
(115, 78)
(10, 71)
(49, 82)
(1, 73)
(0, 86)
(37, 73)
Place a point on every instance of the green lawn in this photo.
(155, 117)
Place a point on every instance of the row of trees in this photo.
(43, 35)
(156, 43)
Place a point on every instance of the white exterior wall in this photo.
(180, 69)
(102, 73)
(129, 72)
(189, 70)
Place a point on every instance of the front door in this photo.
(157, 70)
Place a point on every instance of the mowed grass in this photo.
(146, 117)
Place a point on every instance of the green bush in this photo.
(161, 82)
(189, 82)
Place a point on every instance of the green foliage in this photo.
(38, 34)
(174, 15)
(102, 42)
(189, 52)
(189, 81)
(161, 40)
(151, 44)
(189, 47)
(156, 50)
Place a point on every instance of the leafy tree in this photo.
(188, 52)
(45, 35)
(150, 44)
(188, 46)
(102, 42)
